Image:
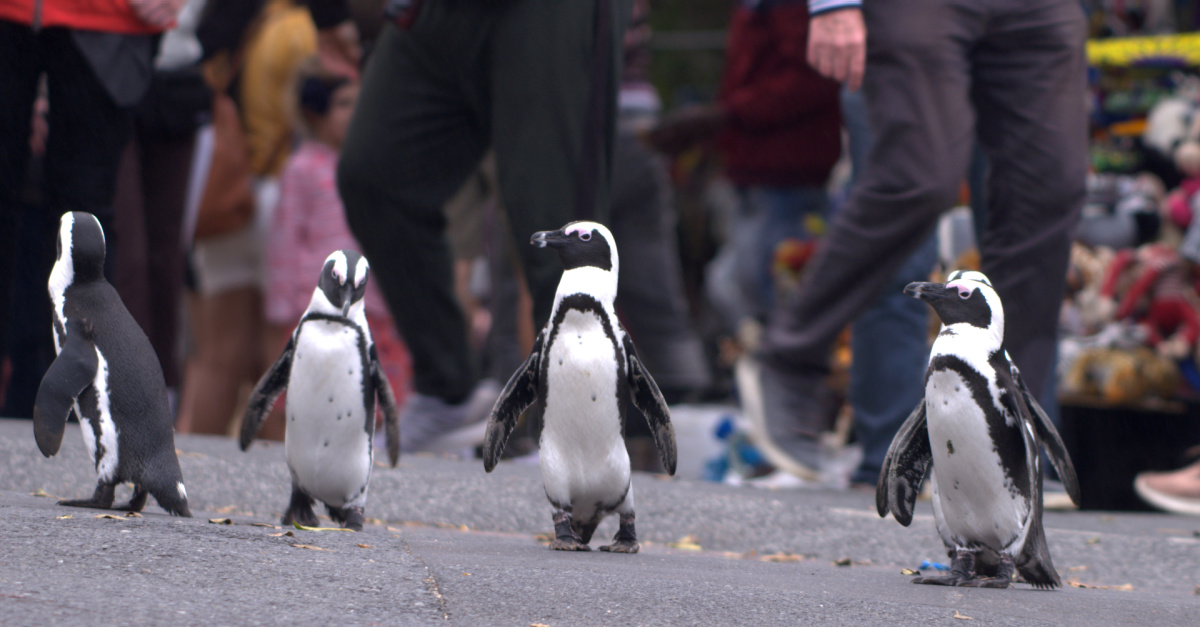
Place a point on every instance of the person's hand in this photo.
(339, 49)
(681, 129)
(837, 46)
(157, 13)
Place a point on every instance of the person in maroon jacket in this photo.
(778, 124)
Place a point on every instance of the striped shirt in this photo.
(309, 223)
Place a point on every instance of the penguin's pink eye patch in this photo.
(964, 291)
(585, 234)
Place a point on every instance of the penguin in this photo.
(982, 431)
(107, 374)
(333, 376)
(582, 373)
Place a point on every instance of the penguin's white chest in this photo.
(583, 456)
(973, 493)
(327, 443)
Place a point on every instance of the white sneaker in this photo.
(430, 424)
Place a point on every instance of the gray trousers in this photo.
(939, 73)
(471, 74)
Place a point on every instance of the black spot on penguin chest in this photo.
(585, 304)
(1008, 442)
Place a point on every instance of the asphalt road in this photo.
(449, 544)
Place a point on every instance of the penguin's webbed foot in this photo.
(300, 510)
(568, 544)
(621, 546)
(102, 498)
(1001, 579)
(986, 582)
(952, 579)
(626, 539)
(566, 535)
(136, 503)
(353, 518)
(962, 569)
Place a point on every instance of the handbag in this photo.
(227, 202)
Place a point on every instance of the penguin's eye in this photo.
(585, 235)
(964, 293)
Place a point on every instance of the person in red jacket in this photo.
(778, 124)
(96, 56)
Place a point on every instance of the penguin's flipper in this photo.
(904, 468)
(520, 392)
(1034, 562)
(72, 371)
(1055, 449)
(649, 400)
(391, 413)
(266, 392)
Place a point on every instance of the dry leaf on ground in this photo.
(220, 521)
(687, 543)
(962, 616)
(109, 516)
(782, 557)
(302, 527)
(310, 547)
(363, 546)
(65, 516)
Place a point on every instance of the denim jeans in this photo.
(766, 216)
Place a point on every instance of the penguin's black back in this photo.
(136, 389)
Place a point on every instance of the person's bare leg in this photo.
(226, 326)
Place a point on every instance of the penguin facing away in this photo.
(582, 370)
(107, 374)
(333, 376)
(982, 431)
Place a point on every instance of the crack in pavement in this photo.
(430, 581)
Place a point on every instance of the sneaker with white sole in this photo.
(428, 423)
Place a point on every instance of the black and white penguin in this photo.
(333, 377)
(982, 431)
(583, 372)
(106, 372)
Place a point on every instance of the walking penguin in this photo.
(105, 372)
(983, 431)
(583, 372)
(333, 376)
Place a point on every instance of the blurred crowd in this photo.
(227, 146)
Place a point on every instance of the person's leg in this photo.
(650, 299)
(553, 120)
(19, 83)
(166, 164)
(1029, 78)
(412, 143)
(88, 131)
(889, 345)
(890, 349)
(917, 95)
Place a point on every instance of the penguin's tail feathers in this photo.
(1040, 575)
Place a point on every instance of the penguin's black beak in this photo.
(347, 293)
(553, 239)
(928, 292)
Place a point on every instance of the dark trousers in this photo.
(151, 189)
(939, 73)
(515, 75)
(87, 133)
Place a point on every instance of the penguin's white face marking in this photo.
(63, 273)
(360, 273)
(342, 285)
